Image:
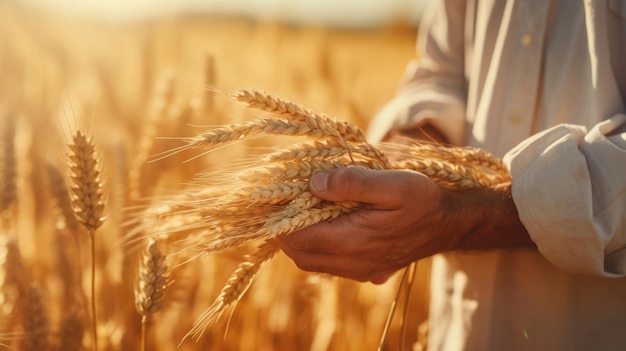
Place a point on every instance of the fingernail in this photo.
(319, 181)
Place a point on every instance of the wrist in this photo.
(483, 219)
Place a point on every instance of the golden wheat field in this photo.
(93, 103)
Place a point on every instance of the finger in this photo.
(383, 189)
(356, 268)
(337, 237)
(382, 278)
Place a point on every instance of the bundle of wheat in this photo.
(261, 198)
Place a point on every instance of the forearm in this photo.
(484, 219)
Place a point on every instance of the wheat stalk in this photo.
(88, 202)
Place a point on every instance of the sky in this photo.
(347, 13)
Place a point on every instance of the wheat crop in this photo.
(238, 178)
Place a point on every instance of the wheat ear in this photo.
(35, 322)
(71, 333)
(283, 108)
(86, 183)
(8, 169)
(58, 188)
(343, 131)
(152, 283)
(235, 288)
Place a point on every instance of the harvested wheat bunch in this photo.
(268, 196)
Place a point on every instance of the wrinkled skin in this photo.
(402, 221)
(406, 217)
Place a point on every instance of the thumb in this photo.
(354, 184)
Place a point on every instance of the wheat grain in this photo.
(272, 194)
(452, 175)
(299, 170)
(291, 219)
(320, 151)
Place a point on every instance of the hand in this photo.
(401, 221)
(405, 217)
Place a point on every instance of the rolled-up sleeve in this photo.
(569, 186)
(433, 87)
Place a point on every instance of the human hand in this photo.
(401, 221)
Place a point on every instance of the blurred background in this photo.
(347, 13)
(131, 72)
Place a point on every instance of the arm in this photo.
(406, 217)
(433, 92)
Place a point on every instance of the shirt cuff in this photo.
(552, 190)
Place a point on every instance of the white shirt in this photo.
(543, 84)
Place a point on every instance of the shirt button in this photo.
(527, 39)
